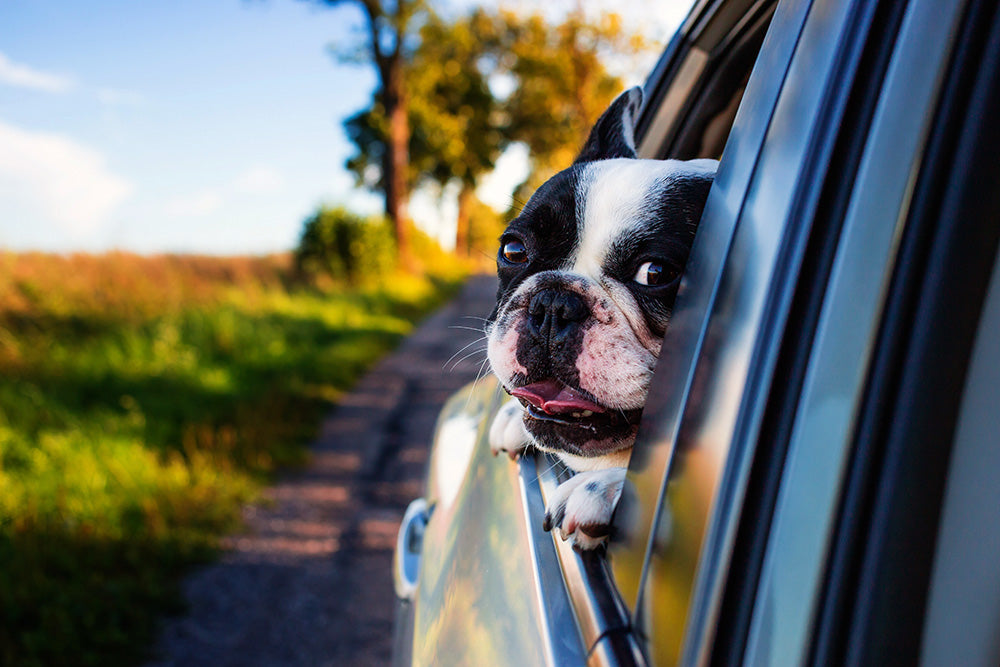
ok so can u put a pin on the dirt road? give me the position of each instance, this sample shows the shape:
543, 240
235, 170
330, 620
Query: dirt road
309, 582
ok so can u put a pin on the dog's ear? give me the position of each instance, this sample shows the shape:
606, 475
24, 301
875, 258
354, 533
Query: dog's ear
614, 133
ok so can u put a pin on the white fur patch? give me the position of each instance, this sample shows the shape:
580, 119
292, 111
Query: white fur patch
501, 349
583, 503
507, 432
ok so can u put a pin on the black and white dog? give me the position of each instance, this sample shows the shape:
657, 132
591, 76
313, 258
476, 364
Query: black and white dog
588, 273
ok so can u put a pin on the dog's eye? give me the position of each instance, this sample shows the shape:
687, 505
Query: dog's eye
514, 252
653, 274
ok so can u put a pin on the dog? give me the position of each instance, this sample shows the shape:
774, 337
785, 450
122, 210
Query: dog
588, 273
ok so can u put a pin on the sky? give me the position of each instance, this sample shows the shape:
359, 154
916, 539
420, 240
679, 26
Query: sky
207, 126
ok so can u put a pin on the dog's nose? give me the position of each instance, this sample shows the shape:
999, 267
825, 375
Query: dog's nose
553, 314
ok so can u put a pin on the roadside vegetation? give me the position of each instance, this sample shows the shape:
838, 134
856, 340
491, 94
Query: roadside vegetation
143, 400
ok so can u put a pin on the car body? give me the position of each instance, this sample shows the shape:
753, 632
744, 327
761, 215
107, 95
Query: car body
816, 478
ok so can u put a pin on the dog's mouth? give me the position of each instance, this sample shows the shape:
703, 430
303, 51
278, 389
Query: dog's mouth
553, 402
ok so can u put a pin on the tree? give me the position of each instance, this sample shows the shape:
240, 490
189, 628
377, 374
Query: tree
561, 83
390, 29
458, 122
458, 126
455, 133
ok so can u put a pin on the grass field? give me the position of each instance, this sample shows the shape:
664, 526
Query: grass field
142, 400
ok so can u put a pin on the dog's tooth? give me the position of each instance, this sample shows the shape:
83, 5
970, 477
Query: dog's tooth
577, 415
587, 413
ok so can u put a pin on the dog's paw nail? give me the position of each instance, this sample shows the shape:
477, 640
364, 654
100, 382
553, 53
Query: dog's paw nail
595, 530
547, 523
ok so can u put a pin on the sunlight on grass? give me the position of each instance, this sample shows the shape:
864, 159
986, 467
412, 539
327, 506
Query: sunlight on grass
142, 401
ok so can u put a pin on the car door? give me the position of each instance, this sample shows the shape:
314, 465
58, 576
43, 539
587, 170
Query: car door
800, 423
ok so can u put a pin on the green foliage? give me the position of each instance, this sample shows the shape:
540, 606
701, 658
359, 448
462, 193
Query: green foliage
346, 247
454, 116
137, 415
562, 84
459, 126
341, 247
455, 120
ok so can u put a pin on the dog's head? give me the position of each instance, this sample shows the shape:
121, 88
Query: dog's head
588, 273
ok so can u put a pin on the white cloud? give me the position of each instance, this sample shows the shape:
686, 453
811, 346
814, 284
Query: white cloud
23, 76
258, 180
116, 97
64, 182
196, 205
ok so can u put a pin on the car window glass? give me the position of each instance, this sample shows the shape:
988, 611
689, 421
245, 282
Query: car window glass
750, 211
652, 455
963, 611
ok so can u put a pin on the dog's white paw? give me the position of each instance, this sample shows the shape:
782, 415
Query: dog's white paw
581, 507
507, 433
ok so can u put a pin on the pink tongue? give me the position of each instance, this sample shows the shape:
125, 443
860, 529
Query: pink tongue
554, 397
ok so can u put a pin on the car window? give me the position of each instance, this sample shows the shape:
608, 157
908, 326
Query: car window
707, 73
964, 602
675, 125
740, 280
819, 445
659, 602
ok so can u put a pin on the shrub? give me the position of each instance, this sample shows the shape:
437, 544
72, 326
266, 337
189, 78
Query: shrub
346, 247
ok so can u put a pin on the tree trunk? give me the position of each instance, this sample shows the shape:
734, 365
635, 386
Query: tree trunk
465, 201
396, 158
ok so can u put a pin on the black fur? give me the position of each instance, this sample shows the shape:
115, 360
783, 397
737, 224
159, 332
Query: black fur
668, 223
547, 228
612, 135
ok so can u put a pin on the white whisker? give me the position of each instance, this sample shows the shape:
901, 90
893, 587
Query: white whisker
555, 462
469, 355
479, 376
464, 348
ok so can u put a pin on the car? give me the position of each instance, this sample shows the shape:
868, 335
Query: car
816, 478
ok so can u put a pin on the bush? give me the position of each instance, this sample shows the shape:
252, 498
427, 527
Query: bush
346, 247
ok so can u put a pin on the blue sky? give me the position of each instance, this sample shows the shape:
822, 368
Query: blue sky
206, 126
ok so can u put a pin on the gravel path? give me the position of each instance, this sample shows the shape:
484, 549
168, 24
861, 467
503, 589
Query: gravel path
309, 582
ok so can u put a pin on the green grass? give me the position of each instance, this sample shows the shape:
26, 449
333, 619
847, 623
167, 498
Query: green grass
137, 414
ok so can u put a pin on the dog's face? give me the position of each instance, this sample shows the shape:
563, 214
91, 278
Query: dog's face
588, 273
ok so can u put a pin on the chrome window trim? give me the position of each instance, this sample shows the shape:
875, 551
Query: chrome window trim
566, 645
795, 559
598, 609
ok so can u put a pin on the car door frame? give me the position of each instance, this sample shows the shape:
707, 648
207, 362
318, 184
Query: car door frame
758, 448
